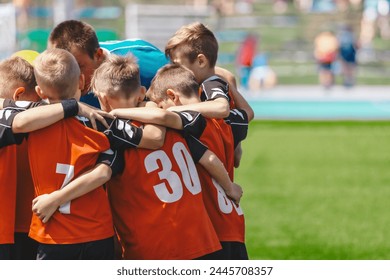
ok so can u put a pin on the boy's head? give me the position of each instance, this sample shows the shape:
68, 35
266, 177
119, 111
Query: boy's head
17, 80
58, 75
173, 85
117, 83
80, 39
195, 47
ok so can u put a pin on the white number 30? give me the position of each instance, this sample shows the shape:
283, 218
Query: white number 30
174, 190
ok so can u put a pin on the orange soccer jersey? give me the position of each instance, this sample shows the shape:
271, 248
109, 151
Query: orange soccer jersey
157, 204
57, 154
7, 193
24, 190
227, 218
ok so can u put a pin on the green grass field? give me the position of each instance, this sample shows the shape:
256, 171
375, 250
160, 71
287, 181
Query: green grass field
316, 190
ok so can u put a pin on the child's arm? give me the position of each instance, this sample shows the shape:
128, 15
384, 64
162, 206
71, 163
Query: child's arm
239, 100
214, 109
216, 169
45, 115
108, 164
150, 115
44, 206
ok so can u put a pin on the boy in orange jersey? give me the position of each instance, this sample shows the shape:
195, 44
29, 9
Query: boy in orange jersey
175, 85
17, 81
195, 47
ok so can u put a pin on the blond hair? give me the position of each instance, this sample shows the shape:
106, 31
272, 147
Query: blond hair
117, 75
194, 39
57, 69
16, 72
175, 77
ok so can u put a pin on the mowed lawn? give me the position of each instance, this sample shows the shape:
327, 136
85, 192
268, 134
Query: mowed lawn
316, 190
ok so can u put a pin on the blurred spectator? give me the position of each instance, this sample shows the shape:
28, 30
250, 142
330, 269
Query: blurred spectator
244, 59
376, 13
304, 5
326, 48
348, 48
22, 7
261, 75
323, 6
280, 6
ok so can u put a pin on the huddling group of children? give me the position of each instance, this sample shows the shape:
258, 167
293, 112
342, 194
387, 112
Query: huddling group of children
149, 174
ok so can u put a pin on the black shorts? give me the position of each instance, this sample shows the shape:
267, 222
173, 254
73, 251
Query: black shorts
5, 251
94, 250
24, 248
230, 251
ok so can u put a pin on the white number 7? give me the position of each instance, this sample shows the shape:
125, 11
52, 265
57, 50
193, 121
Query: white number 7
68, 170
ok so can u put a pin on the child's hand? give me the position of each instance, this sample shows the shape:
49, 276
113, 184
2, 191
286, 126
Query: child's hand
235, 193
44, 206
94, 115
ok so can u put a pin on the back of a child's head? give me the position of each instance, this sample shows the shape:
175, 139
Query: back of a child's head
194, 39
117, 75
58, 73
16, 72
175, 77
74, 34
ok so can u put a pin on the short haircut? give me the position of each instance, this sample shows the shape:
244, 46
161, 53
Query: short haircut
57, 69
117, 75
194, 39
72, 34
16, 72
172, 76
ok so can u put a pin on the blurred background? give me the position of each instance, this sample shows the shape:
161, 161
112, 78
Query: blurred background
282, 31
316, 73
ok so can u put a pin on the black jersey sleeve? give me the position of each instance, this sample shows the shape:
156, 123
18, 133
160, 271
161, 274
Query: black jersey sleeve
20, 105
238, 120
193, 123
113, 159
196, 147
122, 134
7, 137
214, 88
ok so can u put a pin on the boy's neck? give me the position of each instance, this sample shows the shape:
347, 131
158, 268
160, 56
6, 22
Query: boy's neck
207, 73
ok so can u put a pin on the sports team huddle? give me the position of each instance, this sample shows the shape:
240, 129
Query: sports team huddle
117, 150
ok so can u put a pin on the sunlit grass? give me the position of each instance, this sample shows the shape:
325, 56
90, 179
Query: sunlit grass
316, 190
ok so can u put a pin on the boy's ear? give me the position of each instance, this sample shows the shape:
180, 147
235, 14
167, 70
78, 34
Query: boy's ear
18, 93
171, 94
202, 60
99, 55
40, 92
81, 82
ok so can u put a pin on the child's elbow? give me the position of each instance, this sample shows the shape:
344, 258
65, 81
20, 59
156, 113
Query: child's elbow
104, 173
224, 110
250, 113
19, 124
157, 141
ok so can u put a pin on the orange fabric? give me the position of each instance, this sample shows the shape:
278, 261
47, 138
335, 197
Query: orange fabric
228, 220
157, 205
24, 190
7, 193
52, 153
